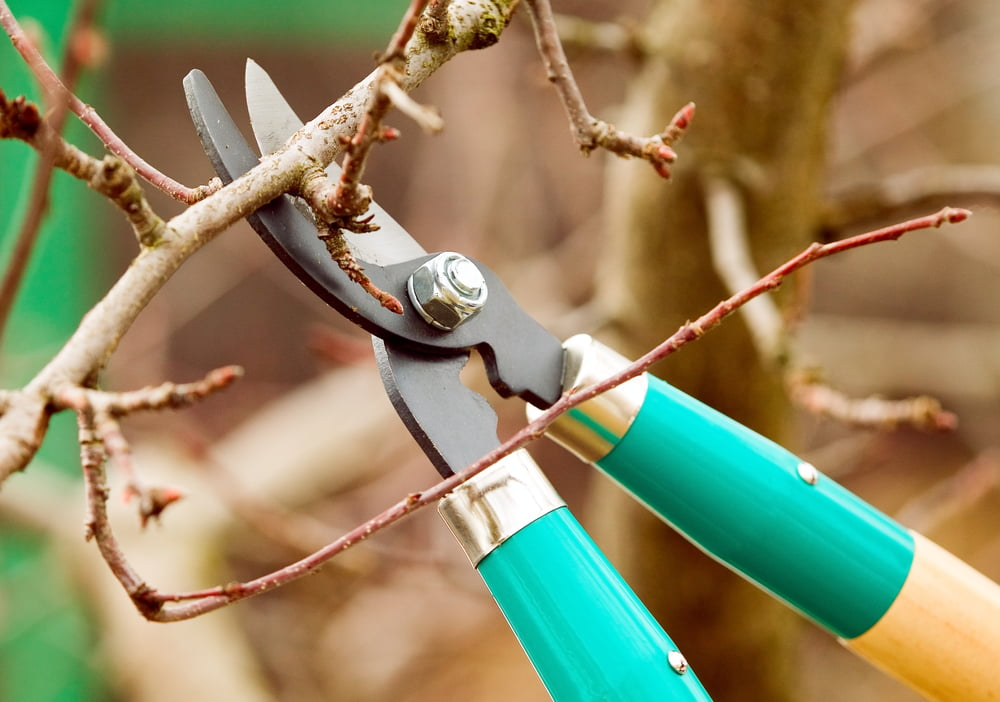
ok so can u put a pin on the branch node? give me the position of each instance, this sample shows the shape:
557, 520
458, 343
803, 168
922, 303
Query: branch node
19, 118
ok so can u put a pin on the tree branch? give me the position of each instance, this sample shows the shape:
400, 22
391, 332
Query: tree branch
38, 200
729, 245
591, 133
614, 37
471, 25
100, 412
54, 86
732, 260
111, 177
355, 120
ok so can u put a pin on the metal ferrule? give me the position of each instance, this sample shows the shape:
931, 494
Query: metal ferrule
496, 504
591, 430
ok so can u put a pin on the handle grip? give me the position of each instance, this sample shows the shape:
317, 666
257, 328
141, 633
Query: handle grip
774, 519
586, 633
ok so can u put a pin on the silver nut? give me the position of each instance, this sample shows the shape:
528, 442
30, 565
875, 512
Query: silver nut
447, 290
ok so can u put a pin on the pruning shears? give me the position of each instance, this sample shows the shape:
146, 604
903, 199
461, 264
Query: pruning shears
889, 594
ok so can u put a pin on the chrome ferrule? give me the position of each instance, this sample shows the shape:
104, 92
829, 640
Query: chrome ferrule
491, 507
592, 429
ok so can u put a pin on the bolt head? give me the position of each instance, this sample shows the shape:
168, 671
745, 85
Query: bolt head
447, 290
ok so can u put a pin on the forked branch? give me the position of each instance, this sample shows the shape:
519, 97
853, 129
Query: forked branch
54, 86
591, 133
169, 244
733, 263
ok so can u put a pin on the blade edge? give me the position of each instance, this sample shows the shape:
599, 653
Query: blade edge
274, 122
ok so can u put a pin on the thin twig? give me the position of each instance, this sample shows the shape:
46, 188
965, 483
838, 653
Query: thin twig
98, 526
159, 397
27, 234
691, 331
87, 114
178, 606
591, 133
733, 262
101, 411
427, 117
350, 198
38, 198
110, 177
341, 206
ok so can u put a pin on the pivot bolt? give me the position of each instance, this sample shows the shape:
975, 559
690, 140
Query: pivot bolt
447, 290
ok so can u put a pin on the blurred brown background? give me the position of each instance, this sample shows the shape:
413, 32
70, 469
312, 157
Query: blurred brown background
306, 444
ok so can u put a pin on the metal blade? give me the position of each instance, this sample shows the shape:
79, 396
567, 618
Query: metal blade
272, 118
274, 122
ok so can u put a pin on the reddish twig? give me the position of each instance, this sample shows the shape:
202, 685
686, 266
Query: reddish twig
100, 411
341, 206
110, 176
163, 396
733, 263
38, 199
591, 133
54, 86
178, 606
98, 526
394, 52
341, 253
28, 232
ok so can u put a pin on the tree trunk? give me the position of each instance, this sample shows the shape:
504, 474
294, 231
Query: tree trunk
762, 75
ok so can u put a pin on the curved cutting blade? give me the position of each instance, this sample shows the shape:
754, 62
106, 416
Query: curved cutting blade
520, 356
274, 122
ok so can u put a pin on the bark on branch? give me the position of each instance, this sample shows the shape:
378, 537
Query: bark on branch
470, 25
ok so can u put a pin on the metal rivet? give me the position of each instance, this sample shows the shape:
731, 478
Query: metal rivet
808, 473
678, 662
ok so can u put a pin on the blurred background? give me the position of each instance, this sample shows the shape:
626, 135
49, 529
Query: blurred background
306, 444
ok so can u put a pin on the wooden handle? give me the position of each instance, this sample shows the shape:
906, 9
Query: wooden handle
941, 636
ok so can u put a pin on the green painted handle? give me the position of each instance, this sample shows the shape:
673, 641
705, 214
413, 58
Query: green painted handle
762, 511
586, 633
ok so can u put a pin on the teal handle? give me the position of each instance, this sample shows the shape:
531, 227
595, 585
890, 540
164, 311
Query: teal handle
760, 510
586, 633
